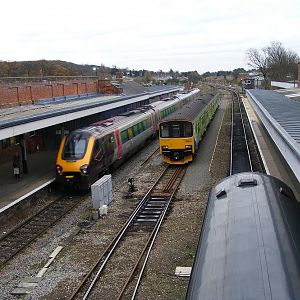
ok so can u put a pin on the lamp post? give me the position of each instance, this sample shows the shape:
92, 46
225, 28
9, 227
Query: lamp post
95, 69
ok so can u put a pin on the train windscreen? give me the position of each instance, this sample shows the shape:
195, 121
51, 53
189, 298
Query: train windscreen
176, 129
75, 146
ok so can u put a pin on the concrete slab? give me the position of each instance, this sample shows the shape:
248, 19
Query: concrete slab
20, 291
183, 271
26, 286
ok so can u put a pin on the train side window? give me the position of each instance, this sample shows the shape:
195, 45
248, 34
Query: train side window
124, 136
144, 125
130, 133
140, 127
148, 123
164, 130
135, 130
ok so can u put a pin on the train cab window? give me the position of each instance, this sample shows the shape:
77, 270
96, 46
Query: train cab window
187, 130
164, 130
75, 146
175, 130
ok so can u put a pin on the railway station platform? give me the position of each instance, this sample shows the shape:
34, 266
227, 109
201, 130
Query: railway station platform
41, 170
35, 131
275, 122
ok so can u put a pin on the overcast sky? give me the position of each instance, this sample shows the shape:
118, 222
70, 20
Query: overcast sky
202, 35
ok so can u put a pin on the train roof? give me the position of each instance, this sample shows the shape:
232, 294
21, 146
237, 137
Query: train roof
249, 246
103, 127
108, 125
191, 110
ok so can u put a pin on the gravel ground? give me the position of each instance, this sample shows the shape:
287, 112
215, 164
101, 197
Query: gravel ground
176, 244
37, 202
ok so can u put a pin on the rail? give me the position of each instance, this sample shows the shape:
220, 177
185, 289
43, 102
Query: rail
26, 232
240, 158
147, 217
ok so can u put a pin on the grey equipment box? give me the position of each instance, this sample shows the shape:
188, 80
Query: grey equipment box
102, 192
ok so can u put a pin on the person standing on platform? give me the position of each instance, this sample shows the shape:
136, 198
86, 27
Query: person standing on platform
16, 165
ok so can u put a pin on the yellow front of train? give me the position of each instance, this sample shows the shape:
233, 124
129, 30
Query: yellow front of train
176, 142
73, 159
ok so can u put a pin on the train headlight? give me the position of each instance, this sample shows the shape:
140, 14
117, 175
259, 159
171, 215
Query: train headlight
58, 169
165, 147
188, 147
84, 169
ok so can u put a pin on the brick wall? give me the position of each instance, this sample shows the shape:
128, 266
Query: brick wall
14, 95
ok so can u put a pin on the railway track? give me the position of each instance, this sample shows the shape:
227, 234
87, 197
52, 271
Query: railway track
150, 156
240, 159
116, 274
25, 233
256, 159
245, 156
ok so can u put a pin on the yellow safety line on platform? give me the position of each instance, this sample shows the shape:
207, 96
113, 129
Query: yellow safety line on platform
212, 158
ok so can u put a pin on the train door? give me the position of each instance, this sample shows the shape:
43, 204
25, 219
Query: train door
154, 122
159, 115
108, 147
97, 164
119, 143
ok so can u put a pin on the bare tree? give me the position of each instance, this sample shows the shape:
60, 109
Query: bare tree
293, 60
259, 60
274, 62
277, 57
282, 62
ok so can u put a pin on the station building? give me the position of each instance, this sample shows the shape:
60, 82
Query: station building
35, 130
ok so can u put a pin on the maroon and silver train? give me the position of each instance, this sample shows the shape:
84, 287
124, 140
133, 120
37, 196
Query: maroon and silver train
87, 153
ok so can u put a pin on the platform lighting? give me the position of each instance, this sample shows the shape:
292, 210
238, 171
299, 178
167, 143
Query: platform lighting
95, 69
